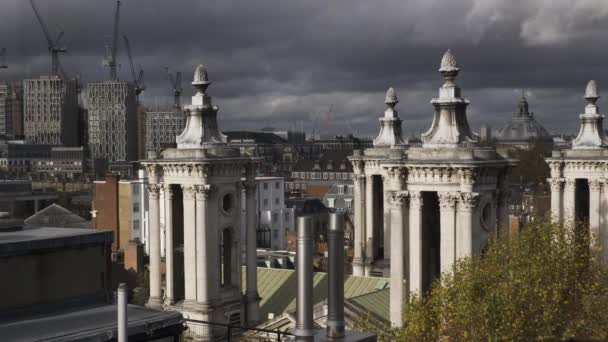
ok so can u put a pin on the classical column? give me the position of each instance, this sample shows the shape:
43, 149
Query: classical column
202, 252
155, 276
369, 224
447, 225
569, 214
169, 281
399, 248
189, 244
359, 241
594, 208
464, 232
603, 234
251, 294
556, 199
415, 242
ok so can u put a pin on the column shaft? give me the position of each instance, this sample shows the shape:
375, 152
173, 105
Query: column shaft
556, 199
447, 243
169, 273
369, 224
202, 280
251, 294
415, 242
594, 208
398, 250
190, 259
155, 276
359, 240
464, 233
569, 213
603, 232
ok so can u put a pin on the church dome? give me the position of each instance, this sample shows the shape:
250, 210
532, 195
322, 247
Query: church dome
523, 127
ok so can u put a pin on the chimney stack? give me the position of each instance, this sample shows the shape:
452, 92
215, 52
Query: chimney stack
335, 315
304, 302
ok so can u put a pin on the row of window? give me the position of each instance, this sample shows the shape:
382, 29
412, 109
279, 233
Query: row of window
322, 175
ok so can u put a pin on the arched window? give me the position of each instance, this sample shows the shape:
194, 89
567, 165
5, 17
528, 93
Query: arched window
226, 253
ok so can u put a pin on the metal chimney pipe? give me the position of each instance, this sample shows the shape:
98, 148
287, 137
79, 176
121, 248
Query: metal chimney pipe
335, 246
122, 312
304, 302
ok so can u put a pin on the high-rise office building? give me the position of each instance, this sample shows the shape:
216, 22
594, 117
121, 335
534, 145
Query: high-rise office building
162, 128
50, 111
112, 120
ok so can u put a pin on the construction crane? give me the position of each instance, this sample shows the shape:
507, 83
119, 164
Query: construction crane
176, 83
2, 60
138, 80
110, 60
54, 46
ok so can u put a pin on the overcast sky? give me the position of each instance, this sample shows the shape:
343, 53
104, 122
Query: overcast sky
278, 63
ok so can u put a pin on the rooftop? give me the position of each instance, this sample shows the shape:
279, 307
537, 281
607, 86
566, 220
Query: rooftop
43, 239
56, 216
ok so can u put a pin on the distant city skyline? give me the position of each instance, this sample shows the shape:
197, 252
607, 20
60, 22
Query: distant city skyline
277, 63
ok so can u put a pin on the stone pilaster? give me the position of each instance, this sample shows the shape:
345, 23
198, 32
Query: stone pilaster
569, 214
467, 203
359, 240
595, 186
155, 272
557, 190
169, 272
190, 260
203, 279
399, 249
447, 244
251, 294
415, 242
369, 224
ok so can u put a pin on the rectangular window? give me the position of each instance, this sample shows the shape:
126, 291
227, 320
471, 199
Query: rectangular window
331, 202
276, 201
275, 218
265, 186
265, 202
277, 185
135, 207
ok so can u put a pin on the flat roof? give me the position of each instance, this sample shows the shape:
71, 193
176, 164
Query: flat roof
91, 323
26, 241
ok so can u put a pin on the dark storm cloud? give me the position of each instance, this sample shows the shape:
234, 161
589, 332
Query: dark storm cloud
285, 63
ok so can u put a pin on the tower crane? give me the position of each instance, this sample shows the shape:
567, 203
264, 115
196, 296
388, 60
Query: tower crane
110, 60
176, 83
2, 60
54, 46
138, 80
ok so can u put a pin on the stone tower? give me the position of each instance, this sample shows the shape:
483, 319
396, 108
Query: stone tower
202, 184
578, 175
436, 203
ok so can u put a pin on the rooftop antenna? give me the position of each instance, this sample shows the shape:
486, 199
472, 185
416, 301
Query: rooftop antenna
138, 80
54, 46
3, 59
110, 60
176, 84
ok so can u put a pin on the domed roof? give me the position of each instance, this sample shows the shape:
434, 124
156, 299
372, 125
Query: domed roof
523, 127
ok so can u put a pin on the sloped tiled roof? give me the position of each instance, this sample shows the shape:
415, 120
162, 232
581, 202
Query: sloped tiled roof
56, 216
277, 288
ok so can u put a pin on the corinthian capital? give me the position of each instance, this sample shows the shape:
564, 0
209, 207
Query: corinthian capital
168, 190
416, 201
154, 190
595, 185
447, 200
570, 184
468, 200
203, 191
397, 197
556, 184
188, 190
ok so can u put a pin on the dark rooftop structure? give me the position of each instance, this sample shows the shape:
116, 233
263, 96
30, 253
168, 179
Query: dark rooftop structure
253, 137
56, 216
523, 128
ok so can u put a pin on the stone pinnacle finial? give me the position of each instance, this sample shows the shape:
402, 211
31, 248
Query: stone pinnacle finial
201, 78
591, 94
448, 62
449, 68
391, 97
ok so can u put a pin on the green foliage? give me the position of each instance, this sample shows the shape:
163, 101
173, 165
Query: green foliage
141, 292
532, 167
545, 284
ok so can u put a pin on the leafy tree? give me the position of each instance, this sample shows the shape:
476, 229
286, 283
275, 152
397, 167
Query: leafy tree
141, 292
544, 284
